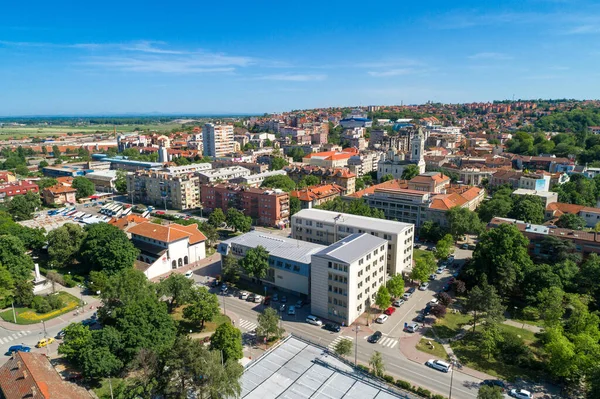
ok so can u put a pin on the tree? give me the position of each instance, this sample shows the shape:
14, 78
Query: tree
22, 207
43, 164
228, 339
216, 217
377, 365
490, 336
98, 281
282, 182
107, 248
121, 182
99, 362
278, 163
309, 180
439, 311
410, 171
84, 187
551, 306
463, 221
444, 247
212, 236
424, 266
256, 262
431, 231
528, 208
445, 299
499, 206
7, 283
488, 392
230, 269
238, 221
483, 298
295, 205
64, 243
343, 347
459, 287
203, 306
179, 288
571, 221
23, 292
268, 324
55, 151
387, 177
395, 285
561, 353
77, 340
46, 182
383, 299
14, 258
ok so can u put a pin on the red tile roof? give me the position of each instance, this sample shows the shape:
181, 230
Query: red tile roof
445, 202
317, 192
391, 184
169, 233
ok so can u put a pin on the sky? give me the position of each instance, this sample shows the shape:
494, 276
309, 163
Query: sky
198, 57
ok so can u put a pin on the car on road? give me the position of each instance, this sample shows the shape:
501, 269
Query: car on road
440, 270
411, 327
398, 302
275, 298
60, 334
282, 307
314, 320
439, 365
375, 337
382, 318
494, 383
292, 310
423, 286
332, 327
44, 342
432, 277
18, 348
390, 311
520, 394
283, 299
189, 274
250, 298
244, 295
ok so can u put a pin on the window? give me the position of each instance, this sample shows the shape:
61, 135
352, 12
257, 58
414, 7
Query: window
329, 265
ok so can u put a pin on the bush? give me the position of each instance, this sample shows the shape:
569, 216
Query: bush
438, 396
69, 282
404, 384
388, 378
513, 350
41, 305
531, 313
363, 368
423, 392
55, 302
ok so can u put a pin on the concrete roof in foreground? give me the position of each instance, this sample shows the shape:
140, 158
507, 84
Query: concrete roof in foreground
297, 369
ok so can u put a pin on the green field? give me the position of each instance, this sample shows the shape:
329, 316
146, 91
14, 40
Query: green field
18, 132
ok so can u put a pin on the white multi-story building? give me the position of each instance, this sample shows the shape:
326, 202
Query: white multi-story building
326, 227
217, 140
223, 174
257, 179
346, 275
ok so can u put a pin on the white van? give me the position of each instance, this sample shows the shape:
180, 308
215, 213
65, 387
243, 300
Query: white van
439, 365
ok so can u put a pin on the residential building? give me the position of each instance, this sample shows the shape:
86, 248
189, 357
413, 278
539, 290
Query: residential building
330, 159
394, 162
432, 182
289, 259
257, 179
506, 177
364, 163
59, 194
326, 227
594, 129
222, 174
547, 197
391, 184
166, 247
346, 275
340, 176
185, 169
7, 176
217, 140
164, 189
547, 163
104, 180
535, 181
31, 375
253, 167
555, 210
316, 195
266, 207
21, 187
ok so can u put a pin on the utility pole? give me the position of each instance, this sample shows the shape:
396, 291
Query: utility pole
452, 378
14, 313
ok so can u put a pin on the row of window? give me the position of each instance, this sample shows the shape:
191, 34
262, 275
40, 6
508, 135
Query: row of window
337, 266
338, 290
338, 302
335, 277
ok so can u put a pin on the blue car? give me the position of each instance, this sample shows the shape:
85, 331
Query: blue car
18, 348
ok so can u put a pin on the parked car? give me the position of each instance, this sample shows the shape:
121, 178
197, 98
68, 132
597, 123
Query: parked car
88, 322
433, 302
283, 299
291, 311
398, 302
390, 311
420, 318
408, 293
282, 307
520, 394
60, 334
258, 299
215, 283
464, 246
440, 270
332, 327
44, 342
439, 365
244, 295
299, 303
423, 286
432, 277
267, 301
18, 348
446, 288
411, 327
275, 298
251, 297
472, 248
189, 274
375, 337
426, 310
382, 318
495, 383
314, 320
223, 288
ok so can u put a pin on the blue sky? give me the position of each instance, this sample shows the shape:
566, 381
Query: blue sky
74, 57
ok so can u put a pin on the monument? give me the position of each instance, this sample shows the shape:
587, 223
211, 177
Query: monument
40, 283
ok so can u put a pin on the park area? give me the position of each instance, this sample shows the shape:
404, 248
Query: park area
30, 316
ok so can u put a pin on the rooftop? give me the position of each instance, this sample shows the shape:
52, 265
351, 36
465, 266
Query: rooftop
347, 219
352, 247
168, 233
282, 247
539, 193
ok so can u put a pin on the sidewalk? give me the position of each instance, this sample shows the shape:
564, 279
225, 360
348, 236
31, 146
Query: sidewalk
211, 262
523, 326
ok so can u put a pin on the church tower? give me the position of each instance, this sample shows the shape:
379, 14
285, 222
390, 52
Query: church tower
417, 148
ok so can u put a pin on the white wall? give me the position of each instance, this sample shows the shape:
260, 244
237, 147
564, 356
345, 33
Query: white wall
292, 281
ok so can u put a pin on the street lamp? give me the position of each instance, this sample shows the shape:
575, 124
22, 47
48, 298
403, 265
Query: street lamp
356, 330
454, 363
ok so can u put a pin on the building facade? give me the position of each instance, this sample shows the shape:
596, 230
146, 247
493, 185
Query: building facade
217, 140
21, 187
164, 189
223, 174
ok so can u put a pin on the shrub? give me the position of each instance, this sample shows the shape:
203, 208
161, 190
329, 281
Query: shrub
41, 305
438, 311
69, 282
388, 378
404, 384
438, 396
424, 392
363, 368
55, 302
531, 313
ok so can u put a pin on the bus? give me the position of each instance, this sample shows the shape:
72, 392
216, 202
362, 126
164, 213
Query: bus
126, 212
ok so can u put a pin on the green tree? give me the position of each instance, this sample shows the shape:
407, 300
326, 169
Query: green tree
107, 248
23, 292
45, 182
77, 341
295, 205
463, 221
395, 285
528, 208
488, 392
42, 164
488, 341
230, 269
383, 299
178, 288
7, 283
560, 353
409, 172
343, 347
56, 151
212, 236
238, 221
484, 299
203, 307
22, 207
444, 247
551, 306
309, 180
121, 182
268, 324
84, 187
256, 262
431, 231
13, 256
216, 217
387, 177
64, 243
424, 266
498, 206
278, 163
377, 365
282, 182
99, 362
98, 281
228, 339
571, 221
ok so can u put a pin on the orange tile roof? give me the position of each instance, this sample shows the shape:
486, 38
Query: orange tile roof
471, 193
445, 202
390, 184
124, 222
317, 192
439, 178
560, 208
169, 233
60, 189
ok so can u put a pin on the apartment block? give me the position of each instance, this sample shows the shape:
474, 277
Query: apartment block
223, 174
346, 275
326, 227
257, 179
217, 140
21, 187
265, 207
164, 189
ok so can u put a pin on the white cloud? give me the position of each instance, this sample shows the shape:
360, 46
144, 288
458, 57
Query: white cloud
392, 72
490, 56
289, 77
583, 29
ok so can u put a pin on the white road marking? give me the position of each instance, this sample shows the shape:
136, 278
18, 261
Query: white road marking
247, 325
11, 338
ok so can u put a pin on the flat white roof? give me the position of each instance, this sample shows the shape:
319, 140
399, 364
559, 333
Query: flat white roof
347, 219
352, 248
539, 193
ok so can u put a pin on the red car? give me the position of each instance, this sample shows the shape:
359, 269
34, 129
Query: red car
390, 311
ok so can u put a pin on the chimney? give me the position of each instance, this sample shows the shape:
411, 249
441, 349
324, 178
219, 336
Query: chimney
33, 391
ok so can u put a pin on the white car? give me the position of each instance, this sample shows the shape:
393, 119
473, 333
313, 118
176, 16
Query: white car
398, 302
520, 394
382, 318
189, 274
244, 295
423, 286
310, 319
439, 365
440, 270
434, 302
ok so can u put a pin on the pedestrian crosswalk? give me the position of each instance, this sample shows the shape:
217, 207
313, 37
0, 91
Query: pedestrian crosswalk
14, 337
247, 325
386, 341
333, 343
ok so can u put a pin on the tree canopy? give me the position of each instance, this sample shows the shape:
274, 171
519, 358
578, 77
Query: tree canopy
256, 262
22, 207
84, 187
64, 243
107, 248
238, 221
283, 182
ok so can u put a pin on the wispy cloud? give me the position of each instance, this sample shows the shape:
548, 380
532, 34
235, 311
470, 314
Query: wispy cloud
583, 30
146, 46
157, 65
290, 77
490, 56
392, 72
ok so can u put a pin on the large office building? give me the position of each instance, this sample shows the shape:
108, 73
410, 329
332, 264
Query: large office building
217, 140
346, 275
326, 227
164, 189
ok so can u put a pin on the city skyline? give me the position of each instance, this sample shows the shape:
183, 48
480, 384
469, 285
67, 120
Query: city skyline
190, 59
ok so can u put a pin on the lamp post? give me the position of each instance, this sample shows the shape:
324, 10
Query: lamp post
356, 330
454, 363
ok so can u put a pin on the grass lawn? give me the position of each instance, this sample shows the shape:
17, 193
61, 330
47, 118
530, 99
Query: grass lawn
450, 325
209, 326
103, 391
418, 253
438, 350
30, 316
528, 336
